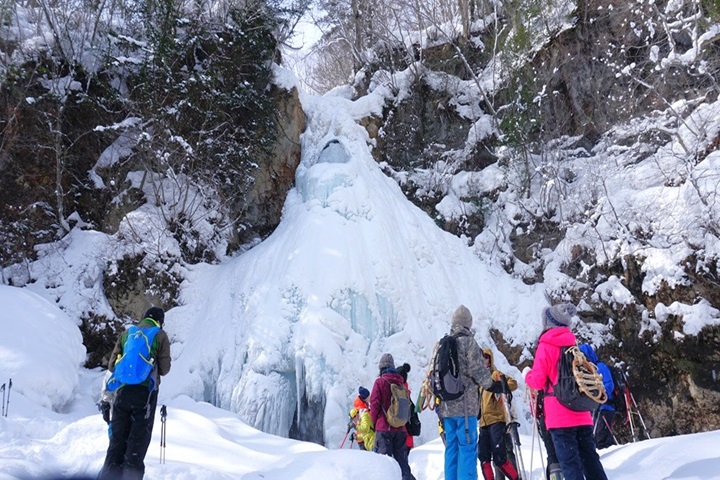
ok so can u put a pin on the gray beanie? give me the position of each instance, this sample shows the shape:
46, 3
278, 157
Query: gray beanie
386, 361
462, 317
559, 315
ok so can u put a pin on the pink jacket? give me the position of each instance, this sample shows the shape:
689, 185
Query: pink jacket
544, 375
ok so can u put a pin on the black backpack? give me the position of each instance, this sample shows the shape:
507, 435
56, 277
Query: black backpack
446, 381
413, 426
579, 388
620, 385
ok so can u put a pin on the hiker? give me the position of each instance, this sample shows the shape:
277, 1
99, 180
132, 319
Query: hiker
605, 415
389, 440
571, 431
360, 415
493, 422
403, 370
459, 416
133, 409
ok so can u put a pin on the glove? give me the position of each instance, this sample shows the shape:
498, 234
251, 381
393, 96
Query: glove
497, 387
104, 408
525, 372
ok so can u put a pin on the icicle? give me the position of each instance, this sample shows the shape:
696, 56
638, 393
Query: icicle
299, 385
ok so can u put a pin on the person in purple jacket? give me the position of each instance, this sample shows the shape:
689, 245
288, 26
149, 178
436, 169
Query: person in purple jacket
388, 440
571, 432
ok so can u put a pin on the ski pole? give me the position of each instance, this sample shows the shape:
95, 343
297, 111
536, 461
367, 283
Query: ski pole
346, 434
629, 414
3, 401
163, 431
7, 404
532, 443
637, 409
610, 430
536, 429
512, 428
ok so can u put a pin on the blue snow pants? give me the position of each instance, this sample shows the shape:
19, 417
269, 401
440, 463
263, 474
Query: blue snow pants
460, 448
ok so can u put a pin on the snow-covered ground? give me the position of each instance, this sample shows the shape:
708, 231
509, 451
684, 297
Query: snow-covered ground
53, 429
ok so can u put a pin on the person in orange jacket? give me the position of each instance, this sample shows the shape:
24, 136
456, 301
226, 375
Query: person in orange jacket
360, 415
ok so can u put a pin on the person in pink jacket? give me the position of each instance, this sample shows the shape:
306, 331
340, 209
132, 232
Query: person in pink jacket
571, 432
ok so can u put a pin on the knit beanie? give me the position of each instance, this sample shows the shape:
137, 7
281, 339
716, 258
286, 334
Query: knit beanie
403, 370
462, 317
386, 361
157, 314
559, 315
363, 393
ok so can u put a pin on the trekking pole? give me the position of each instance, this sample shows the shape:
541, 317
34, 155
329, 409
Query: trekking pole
632, 397
3, 401
532, 444
536, 429
163, 432
512, 429
610, 430
629, 414
350, 427
7, 404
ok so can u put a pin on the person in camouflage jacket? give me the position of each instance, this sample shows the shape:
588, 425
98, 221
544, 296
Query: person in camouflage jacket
459, 416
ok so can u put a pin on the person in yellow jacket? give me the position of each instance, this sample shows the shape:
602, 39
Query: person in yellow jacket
364, 431
493, 422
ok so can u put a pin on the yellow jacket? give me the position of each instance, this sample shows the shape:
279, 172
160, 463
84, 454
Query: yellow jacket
492, 409
365, 433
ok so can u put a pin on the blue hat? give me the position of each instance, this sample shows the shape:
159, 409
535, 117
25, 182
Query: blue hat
363, 393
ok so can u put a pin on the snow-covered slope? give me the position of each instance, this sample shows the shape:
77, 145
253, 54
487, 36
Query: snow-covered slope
353, 270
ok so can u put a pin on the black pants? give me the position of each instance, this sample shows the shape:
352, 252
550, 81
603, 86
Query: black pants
603, 425
491, 444
393, 444
130, 433
575, 449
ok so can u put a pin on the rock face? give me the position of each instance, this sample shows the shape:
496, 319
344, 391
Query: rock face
579, 85
30, 210
275, 176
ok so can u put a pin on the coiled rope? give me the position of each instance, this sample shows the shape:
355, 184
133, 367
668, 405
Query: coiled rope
589, 381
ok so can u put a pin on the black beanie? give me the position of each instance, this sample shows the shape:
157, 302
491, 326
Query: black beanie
403, 370
157, 314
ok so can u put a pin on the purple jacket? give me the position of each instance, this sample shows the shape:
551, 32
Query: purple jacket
544, 375
380, 401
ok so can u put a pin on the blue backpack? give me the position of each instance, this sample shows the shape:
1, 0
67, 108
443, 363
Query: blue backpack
135, 365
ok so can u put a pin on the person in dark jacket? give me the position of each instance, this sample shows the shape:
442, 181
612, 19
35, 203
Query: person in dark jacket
133, 410
571, 431
459, 416
403, 370
388, 440
605, 415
